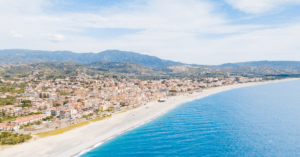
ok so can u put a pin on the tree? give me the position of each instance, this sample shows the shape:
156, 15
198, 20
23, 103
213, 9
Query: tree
56, 105
3, 113
38, 122
26, 101
44, 88
64, 93
101, 108
7, 138
8, 103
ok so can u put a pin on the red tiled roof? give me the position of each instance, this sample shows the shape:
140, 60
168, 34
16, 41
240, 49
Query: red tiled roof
19, 120
8, 106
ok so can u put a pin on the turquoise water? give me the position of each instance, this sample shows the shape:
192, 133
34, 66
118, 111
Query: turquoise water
261, 120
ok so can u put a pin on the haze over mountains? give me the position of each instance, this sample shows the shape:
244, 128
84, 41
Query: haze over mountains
16, 56
295, 65
13, 56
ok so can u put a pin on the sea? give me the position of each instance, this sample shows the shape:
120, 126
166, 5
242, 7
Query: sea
260, 120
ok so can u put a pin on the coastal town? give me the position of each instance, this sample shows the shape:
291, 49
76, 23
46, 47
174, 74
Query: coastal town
131, 78
50, 103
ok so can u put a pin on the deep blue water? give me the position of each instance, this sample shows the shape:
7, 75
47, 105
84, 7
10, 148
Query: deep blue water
261, 120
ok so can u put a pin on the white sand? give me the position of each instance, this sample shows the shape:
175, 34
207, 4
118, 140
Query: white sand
75, 141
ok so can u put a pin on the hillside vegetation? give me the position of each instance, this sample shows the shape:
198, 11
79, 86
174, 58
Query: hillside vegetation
120, 67
67, 69
17, 56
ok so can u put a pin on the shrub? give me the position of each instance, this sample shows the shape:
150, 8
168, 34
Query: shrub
7, 138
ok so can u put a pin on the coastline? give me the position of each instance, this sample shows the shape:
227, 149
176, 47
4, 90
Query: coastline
77, 141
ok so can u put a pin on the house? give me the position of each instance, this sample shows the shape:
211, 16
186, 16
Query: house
87, 112
55, 112
22, 113
53, 96
73, 111
6, 127
30, 119
77, 115
87, 108
47, 112
6, 108
65, 114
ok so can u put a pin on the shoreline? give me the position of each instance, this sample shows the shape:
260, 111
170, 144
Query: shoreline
183, 102
81, 140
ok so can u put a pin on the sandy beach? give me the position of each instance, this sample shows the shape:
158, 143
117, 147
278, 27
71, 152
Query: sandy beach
72, 143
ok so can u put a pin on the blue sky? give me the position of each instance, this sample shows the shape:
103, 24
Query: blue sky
191, 31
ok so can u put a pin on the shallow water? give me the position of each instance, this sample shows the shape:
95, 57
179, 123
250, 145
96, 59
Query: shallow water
261, 120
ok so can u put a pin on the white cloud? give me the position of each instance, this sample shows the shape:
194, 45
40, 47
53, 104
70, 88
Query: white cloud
177, 30
21, 6
170, 15
53, 37
260, 6
16, 35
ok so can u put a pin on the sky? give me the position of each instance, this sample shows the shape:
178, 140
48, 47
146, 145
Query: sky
206, 32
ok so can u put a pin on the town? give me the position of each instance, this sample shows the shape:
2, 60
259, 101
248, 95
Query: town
46, 104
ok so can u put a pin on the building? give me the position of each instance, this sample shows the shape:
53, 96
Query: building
47, 112
6, 127
26, 120
65, 114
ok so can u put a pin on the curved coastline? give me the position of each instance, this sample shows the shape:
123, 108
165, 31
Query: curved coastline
100, 143
79, 141
182, 102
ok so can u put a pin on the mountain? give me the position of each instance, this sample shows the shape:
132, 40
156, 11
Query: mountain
120, 67
67, 69
50, 69
282, 65
13, 56
16, 56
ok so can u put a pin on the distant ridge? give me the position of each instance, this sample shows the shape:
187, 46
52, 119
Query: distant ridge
283, 65
13, 56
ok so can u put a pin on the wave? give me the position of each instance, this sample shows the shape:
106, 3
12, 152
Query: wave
83, 152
